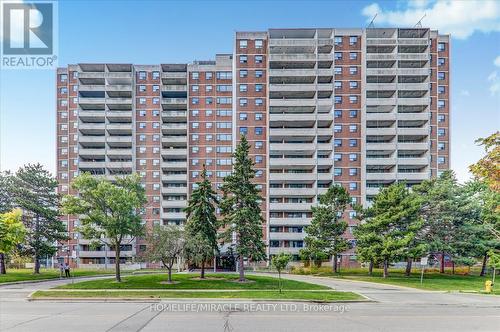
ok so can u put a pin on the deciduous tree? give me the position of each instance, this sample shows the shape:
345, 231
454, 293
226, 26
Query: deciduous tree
12, 233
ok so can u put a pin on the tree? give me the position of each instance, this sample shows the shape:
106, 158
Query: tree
34, 190
108, 210
165, 244
391, 224
440, 211
201, 216
6, 195
487, 169
12, 233
365, 241
325, 233
199, 250
494, 262
280, 261
240, 208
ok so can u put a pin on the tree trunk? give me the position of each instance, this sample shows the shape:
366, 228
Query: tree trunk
170, 275
3, 269
452, 267
117, 263
483, 268
441, 268
279, 279
335, 267
386, 266
370, 268
408, 267
37, 264
241, 269
202, 276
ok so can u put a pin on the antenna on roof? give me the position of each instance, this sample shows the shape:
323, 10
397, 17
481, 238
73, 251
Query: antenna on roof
371, 25
419, 23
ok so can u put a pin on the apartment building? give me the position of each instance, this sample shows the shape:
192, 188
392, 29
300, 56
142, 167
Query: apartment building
359, 107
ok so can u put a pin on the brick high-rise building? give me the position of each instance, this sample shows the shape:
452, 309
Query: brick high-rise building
359, 107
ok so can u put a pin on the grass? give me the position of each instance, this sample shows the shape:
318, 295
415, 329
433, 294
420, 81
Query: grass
27, 274
191, 281
246, 294
433, 280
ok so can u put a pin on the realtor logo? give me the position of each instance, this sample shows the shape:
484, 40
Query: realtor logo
28, 33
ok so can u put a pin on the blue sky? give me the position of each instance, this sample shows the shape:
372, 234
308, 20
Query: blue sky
147, 32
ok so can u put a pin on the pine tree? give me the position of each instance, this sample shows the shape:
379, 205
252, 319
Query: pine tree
35, 193
325, 233
240, 208
202, 221
391, 224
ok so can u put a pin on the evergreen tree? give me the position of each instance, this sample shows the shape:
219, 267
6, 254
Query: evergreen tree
6, 194
240, 208
200, 213
34, 191
108, 210
391, 224
365, 240
325, 233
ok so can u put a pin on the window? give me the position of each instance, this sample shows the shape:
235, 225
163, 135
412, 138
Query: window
353, 157
353, 99
337, 40
142, 138
243, 73
353, 142
142, 101
209, 100
259, 144
243, 130
224, 75
156, 101
258, 116
156, 125
258, 43
441, 103
338, 56
63, 91
195, 75
337, 128
243, 88
224, 137
208, 137
243, 59
195, 125
441, 132
195, 149
353, 55
441, 146
224, 112
337, 142
208, 75
224, 100
353, 128
353, 186
259, 102
353, 113
441, 75
156, 88
353, 70
441, 61
441, 160
258, 87
224, 125
337, 171
353, 84
195, 88
337, 157
337, 85
353, 40
195, 137
243, 102
338, 99
353, 171
337, 113
63, 78
208, 125
338, 70
208, 88
142, 75
441, 47
441, 89
156, 75
195, 101
243, 43
259, 73
259, 130
243, 116
156, 138
259, 59
258, 159
441, 117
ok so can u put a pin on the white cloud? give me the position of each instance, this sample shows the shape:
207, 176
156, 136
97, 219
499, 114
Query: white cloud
495, 83
496, 62
458, 18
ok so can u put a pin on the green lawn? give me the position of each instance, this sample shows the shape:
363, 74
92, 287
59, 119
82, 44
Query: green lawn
245, 294
432, 280
192, 281
27, 274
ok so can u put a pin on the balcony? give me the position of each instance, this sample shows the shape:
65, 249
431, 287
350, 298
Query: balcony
414, 71
91, 164
119, 153
174, 78
381, 101
413, 146
174, 203
285, 162
381, 161
413, 161
174, 215
290, 206
91, 153
103, 253
288, 177
380, 131
381, 86
174, 88
174, 178
290, 250
381, 116
174, 103
179, 165
127, 165
414, 176
119, 128
174, 190
287, 147
174, 128
286, 236
423, 131
381, 176
174, 152
305, 192
381, 146
289, 221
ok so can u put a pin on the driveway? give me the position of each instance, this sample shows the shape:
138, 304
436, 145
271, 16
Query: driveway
393, 309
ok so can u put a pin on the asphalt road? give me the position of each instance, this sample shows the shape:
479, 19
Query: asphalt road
393, 309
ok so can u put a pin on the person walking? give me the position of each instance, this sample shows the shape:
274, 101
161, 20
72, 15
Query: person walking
61, 270
67, 270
